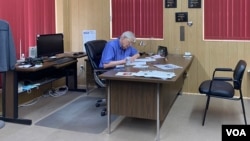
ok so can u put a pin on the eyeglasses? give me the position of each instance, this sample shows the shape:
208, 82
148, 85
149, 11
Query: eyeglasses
130, 41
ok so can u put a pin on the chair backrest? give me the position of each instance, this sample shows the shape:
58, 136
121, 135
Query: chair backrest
238, 73
94, 51
162, 51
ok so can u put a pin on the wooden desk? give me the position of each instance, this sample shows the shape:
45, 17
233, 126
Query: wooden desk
49, 72
147, 98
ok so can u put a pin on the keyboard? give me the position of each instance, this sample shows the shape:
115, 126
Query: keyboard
155, 74
63, 60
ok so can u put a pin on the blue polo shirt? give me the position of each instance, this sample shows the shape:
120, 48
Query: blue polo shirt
114, 52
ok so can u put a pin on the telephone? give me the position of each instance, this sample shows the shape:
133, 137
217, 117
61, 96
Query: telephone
162, 51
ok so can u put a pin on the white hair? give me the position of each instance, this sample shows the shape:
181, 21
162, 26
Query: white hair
129, 35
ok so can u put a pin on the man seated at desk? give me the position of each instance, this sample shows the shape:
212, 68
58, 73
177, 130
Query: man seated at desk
116, 51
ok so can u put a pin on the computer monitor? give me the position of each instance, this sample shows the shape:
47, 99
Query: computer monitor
49, 45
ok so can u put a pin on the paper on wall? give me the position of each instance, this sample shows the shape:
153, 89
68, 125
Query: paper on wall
88, 35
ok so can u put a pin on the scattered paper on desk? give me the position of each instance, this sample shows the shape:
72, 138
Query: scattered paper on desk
155, 56
137, 63
167, 66
30, 66
24, 66
124, 74
140, 66
145, 60
119, 66
155, 74
38, 66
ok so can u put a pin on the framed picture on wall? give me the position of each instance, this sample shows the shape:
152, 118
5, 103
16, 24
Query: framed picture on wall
170, 3
194, 3
181, 16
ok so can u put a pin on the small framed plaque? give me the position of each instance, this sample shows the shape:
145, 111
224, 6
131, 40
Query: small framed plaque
170, 4
181, 16
194, 3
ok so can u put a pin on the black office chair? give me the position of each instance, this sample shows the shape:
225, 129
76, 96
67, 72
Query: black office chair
224, 87
162, 51
94, 51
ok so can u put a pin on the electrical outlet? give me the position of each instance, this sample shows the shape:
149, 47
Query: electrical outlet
81, 68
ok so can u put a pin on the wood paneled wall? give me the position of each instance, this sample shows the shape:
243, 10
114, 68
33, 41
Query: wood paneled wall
74, 16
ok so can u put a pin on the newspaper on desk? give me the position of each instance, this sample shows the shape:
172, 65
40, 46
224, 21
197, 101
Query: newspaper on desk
141, 63
167, 66
155, 74
149, 73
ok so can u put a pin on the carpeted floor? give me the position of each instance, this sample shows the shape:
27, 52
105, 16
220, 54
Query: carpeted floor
81, 115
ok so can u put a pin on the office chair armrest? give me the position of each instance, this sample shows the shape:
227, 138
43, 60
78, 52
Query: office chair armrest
223, 69
99, 81
99, 70
223, 79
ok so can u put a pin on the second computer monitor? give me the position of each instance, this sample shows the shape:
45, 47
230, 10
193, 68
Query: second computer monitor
49, 45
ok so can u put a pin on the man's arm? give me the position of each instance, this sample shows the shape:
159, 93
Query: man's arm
114, 63
132, 59
120, 62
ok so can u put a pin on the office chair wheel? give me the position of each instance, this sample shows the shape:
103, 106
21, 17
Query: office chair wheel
97, 104
103, 113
